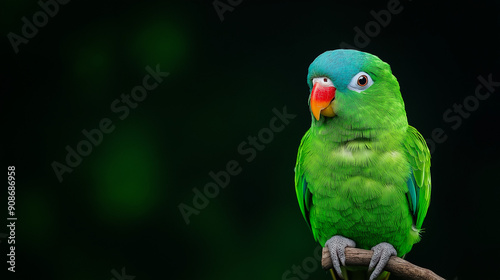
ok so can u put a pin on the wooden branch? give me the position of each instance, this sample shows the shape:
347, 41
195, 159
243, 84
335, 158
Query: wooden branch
396, 266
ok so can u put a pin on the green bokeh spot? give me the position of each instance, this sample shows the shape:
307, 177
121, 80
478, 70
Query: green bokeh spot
126, 174
90, 57
160, 42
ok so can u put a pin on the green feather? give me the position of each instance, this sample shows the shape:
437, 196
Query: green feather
420, 160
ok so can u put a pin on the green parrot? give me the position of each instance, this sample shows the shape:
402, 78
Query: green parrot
362, 175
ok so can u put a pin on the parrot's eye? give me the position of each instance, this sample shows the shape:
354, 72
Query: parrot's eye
360, 82
324, 81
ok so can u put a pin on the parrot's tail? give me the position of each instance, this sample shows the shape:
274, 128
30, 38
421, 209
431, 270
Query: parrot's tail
357, 275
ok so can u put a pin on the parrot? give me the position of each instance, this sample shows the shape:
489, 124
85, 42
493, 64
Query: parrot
362, 175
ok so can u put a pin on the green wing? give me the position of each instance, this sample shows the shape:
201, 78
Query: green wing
419, 183
304, 196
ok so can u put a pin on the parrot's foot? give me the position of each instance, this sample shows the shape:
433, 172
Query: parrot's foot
381, 254
336, 245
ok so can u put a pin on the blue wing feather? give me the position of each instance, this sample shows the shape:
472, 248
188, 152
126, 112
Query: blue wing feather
419, 183
307, 197
412, 189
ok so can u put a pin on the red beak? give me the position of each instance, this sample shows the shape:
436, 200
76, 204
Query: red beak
321, 98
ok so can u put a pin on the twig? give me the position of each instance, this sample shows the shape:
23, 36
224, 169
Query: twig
396, 266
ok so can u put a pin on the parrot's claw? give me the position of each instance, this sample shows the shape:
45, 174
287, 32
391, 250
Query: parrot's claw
381, 254
336, 245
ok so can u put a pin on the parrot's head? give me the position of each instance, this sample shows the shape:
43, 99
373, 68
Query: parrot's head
356, 89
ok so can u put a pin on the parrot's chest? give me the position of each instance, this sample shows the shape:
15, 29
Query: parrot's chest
364, 172
364, 196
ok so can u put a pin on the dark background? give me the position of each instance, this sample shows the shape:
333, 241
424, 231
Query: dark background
119, 207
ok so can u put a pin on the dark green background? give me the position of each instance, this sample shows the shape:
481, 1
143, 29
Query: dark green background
119, 207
